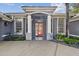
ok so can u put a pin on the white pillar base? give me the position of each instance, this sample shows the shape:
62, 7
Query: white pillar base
28, 36
49, 36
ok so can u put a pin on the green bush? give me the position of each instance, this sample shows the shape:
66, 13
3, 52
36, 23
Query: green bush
70, 40
14, 38
60, 37
76, 39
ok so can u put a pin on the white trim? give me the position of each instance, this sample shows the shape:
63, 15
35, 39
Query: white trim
75, 17
74, 20
39, 12
15, 27
49, 24
22, 25
29, 23
73, 35
58, 26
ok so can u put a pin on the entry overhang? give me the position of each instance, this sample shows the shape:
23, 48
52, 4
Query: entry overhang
30, 9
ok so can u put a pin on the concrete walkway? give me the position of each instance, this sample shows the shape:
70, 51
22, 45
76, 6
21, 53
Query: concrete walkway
35, 48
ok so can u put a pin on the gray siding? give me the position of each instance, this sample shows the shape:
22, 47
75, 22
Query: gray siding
12, 27
74, 27
1, 29
4, 30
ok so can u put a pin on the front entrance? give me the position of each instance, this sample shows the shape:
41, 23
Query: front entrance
38, 30
39, 27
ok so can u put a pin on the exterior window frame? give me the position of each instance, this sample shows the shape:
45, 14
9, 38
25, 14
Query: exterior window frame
63, 26
18, 33
52, 24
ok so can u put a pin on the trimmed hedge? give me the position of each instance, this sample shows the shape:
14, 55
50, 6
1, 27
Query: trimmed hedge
14, 38
70, 40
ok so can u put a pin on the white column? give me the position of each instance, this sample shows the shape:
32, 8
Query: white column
49, 34
29, 23
49, 24
29, 34
14, 25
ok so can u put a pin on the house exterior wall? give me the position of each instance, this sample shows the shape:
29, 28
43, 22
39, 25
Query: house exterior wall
1, 29
12, 27
74, 27
4, 30
7, 29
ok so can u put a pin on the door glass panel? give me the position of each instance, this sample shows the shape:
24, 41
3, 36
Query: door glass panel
39, 29
36, 29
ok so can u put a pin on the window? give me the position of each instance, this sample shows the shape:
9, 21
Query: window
61, 25
19, 26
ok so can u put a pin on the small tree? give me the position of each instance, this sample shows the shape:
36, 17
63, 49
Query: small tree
75, 8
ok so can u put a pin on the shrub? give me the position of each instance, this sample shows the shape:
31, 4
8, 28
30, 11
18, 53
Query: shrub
60, 37
14, 38
70, 40
76, 39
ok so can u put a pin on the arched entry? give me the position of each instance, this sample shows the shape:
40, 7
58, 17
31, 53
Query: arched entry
39, 26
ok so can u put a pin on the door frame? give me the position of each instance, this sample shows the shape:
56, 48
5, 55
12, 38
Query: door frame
33, 29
